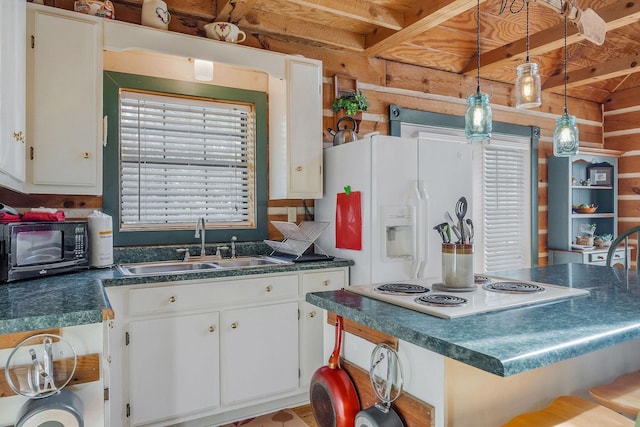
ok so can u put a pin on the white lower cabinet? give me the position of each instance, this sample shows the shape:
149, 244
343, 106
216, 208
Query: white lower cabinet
259, 351
174, 366
219, 350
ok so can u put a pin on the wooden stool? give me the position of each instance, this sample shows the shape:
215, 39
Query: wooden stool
621, 395
571, 411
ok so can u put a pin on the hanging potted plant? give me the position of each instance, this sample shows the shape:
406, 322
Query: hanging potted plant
351, 103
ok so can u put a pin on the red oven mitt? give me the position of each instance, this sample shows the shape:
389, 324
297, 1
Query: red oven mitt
43, 216
349, 221
7, 217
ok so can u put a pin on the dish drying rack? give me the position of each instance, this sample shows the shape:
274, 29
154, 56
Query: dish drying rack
298, 238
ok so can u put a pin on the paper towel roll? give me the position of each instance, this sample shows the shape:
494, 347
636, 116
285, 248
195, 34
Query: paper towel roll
100, 240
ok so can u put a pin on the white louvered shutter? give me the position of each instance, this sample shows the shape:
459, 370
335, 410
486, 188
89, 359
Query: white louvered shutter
506, 203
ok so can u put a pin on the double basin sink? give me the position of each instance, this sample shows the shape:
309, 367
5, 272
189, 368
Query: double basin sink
189, 266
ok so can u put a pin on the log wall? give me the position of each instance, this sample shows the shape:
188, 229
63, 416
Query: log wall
383, 82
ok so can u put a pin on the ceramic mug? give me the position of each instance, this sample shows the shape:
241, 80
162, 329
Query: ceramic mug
155, 14
225, 32
101, 8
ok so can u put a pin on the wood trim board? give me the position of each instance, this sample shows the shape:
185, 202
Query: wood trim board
87, 370
413, 411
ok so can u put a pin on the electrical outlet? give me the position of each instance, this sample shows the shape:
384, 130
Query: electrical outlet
291, 214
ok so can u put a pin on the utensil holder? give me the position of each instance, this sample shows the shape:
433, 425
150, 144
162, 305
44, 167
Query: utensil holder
457, 265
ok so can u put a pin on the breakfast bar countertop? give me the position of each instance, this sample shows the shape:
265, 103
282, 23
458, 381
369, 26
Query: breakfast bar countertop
515, 340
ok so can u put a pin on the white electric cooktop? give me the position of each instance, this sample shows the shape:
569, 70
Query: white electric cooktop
488, 294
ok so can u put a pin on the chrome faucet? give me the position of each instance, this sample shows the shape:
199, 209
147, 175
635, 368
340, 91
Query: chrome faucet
233, 246
200, 232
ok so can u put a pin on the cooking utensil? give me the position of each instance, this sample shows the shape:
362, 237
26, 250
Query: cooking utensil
452, 223
471, 230
386, 376
345, 134
440, 228
333, 397
461, 211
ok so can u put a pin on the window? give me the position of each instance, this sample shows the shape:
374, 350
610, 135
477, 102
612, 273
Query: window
505, 186
181, 151
184, 158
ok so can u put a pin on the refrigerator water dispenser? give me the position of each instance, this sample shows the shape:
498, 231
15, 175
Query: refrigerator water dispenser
399, 232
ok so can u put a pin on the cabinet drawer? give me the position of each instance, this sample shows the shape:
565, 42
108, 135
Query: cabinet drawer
259, 290
323, 281
601, 257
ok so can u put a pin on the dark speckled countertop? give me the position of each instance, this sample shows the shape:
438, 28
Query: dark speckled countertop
516, 340
79, 298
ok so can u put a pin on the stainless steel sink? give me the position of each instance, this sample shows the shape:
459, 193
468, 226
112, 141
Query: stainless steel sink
165, 267
243, 262
176, 267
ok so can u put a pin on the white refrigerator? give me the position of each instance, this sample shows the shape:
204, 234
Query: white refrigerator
406, 186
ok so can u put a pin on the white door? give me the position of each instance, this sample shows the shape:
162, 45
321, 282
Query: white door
446, 169
174, 366
259, 351
12, 89
394, 208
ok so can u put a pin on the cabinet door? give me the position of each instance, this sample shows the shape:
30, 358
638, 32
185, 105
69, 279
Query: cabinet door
174, 366
295, 145
259, 351
312, 320
64, 103
12, 90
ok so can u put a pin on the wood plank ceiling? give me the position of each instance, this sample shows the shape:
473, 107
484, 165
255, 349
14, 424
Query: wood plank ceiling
441, 34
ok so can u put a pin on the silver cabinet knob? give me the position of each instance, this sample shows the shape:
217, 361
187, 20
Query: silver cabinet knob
212, 328
268, 288
234, 325
312, 314
172, 299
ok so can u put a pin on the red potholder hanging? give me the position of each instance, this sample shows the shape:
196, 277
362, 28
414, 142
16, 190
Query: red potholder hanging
349, 221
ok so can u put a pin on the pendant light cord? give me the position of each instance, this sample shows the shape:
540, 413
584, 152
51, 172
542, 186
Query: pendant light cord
478, 43
565, 62
527, 1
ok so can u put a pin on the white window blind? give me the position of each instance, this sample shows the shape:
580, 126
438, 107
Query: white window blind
506, 203
185, 158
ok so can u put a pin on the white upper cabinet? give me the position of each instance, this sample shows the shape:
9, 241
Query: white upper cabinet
295, 99
64, 102
12, 93
295, 156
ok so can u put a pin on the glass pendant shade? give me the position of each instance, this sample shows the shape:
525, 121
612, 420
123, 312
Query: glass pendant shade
565, 137
528, 86
477, 118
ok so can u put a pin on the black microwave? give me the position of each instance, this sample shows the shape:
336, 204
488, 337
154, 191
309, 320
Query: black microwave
36, 249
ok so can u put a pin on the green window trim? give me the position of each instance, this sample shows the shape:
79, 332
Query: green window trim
112, 83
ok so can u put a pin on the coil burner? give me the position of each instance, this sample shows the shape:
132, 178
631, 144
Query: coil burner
513, 287
401, 289
441, 300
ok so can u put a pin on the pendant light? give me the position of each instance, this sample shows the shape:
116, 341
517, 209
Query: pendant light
478, 115
565, 137
528, 79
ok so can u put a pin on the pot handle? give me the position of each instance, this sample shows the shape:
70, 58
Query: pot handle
355, 124
334, 359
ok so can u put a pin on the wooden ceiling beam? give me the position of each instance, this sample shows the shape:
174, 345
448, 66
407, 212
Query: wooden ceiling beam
425, 15
616, 15
233, 10
303, 31
363, 11
607, 70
